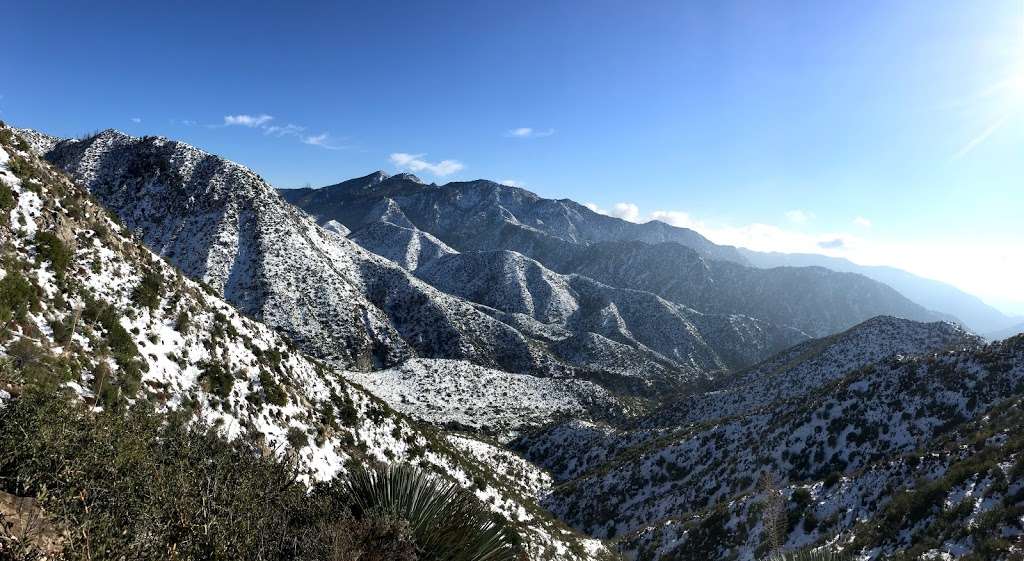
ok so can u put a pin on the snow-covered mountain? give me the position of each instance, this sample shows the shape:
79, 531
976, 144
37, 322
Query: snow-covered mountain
675, 263
90, 310
220, 223
484, 215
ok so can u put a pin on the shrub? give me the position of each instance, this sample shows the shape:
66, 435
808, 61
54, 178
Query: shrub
17, 296
6, 197
144, 486
273, 391
50, 248
297, 438
216, 379
147, 293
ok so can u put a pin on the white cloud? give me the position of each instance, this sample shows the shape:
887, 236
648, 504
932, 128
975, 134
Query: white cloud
798, 216
512, 183
136, 120
625, 211
862, 222
247, 120
416, 163
527, 132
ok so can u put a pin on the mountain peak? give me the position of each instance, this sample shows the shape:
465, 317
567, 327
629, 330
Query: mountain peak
405, 176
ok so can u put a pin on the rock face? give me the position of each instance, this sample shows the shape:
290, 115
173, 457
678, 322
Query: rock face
675, 263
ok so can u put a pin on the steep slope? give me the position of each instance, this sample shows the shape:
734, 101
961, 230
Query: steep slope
674, 263
805, 367
221, 223
696, 344
693, 492
472, 213
409, 247
813, 299
931, 294
86, 308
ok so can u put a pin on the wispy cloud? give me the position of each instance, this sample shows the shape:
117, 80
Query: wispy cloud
322, 140
286, 130
512, 183
416, 163
251, 121
136, 120
798, 216
528, 132
862, 222
262, 122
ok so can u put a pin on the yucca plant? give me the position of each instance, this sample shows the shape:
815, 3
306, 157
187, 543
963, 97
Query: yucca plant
447, 522
822, 554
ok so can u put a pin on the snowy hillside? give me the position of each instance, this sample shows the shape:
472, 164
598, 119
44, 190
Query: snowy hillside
806, 367
695, 345
652, 489
460, 395
88, 308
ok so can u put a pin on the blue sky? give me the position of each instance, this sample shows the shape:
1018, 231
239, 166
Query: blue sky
886, 132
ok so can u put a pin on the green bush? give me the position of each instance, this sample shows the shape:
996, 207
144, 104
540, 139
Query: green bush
143, 486
6, 197
147, 293
50, 248
17, 296
216, 379
273, 391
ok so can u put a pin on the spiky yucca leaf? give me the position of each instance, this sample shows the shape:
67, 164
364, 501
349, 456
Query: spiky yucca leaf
822, 554
447, 522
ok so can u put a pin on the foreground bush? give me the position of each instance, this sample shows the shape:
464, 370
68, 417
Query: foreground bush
138, 485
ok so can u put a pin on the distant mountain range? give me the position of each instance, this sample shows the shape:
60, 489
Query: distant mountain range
677, 264
932, 294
